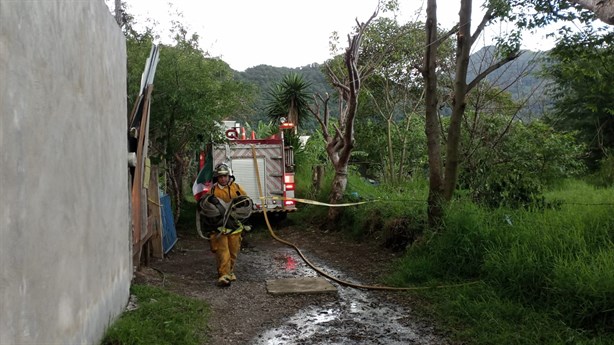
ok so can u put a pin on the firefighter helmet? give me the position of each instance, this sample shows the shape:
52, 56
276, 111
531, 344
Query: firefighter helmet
222, 169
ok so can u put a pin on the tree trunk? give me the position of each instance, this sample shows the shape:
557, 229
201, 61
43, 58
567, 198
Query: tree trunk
176, 175
340, 182
390, 151
435, 207
316, 179
339, 145
463, 49
404, 148
174, 187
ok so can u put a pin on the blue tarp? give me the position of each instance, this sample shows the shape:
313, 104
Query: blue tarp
169, 234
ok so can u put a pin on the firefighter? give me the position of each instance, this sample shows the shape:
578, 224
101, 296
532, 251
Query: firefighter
225, 241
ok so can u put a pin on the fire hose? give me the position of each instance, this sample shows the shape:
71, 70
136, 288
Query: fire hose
315, 268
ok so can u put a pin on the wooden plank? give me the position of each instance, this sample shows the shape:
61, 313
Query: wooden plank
139, 195
155, 218
303, 285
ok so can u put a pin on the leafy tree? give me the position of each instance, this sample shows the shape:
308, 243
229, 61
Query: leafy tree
191, 94
393, 90
408, 140
537, 13
508, 162
265, 78
582, 69
443, 173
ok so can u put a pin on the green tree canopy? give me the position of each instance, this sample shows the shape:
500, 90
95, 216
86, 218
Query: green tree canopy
582, 68
192, 93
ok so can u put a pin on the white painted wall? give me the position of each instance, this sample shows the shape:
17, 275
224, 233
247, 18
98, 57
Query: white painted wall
65, 261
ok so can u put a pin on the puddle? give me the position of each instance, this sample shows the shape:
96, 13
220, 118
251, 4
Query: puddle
285, 263
356, 317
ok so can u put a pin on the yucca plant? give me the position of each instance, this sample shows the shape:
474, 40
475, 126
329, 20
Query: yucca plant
290, 99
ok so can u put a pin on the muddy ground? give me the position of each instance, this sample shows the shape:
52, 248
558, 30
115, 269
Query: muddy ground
245, 313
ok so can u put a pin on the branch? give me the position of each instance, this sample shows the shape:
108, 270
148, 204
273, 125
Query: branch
451, 32
335, 81
316, 113
490, 69
487, 17
351, 59
337, 131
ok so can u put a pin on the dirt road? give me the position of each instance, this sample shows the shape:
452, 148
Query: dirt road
245, 313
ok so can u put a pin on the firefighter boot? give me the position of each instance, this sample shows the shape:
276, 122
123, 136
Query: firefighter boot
224, 281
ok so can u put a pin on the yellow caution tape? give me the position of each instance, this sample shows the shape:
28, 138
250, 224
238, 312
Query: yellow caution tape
313, 202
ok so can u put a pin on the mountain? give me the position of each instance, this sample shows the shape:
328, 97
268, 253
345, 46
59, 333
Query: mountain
264, 77
518, 77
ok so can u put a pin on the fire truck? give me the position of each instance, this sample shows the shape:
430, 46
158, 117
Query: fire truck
275, 163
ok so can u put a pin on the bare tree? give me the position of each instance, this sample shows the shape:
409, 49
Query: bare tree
340, 143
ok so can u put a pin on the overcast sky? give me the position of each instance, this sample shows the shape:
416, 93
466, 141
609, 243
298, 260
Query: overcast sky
281, 33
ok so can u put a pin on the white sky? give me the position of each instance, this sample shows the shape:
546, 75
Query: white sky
282, 33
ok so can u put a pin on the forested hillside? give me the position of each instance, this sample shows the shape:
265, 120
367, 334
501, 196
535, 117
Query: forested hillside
519, 78
264, 77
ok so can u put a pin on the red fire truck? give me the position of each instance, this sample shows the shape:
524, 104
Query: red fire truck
275, 166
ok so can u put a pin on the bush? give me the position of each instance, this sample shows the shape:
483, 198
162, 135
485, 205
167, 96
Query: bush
604, 176
514, 170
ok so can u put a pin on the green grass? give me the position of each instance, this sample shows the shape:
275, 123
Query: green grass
384, 204
544, 276
477, 314
161, 318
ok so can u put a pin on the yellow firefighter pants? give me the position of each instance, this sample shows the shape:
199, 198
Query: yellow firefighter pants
226, 249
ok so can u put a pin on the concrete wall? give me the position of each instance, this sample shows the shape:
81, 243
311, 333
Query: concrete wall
65, 265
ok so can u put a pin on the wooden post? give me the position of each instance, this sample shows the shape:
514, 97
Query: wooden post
154, 221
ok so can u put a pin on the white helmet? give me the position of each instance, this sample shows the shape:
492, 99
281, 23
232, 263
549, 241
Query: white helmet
222, 169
